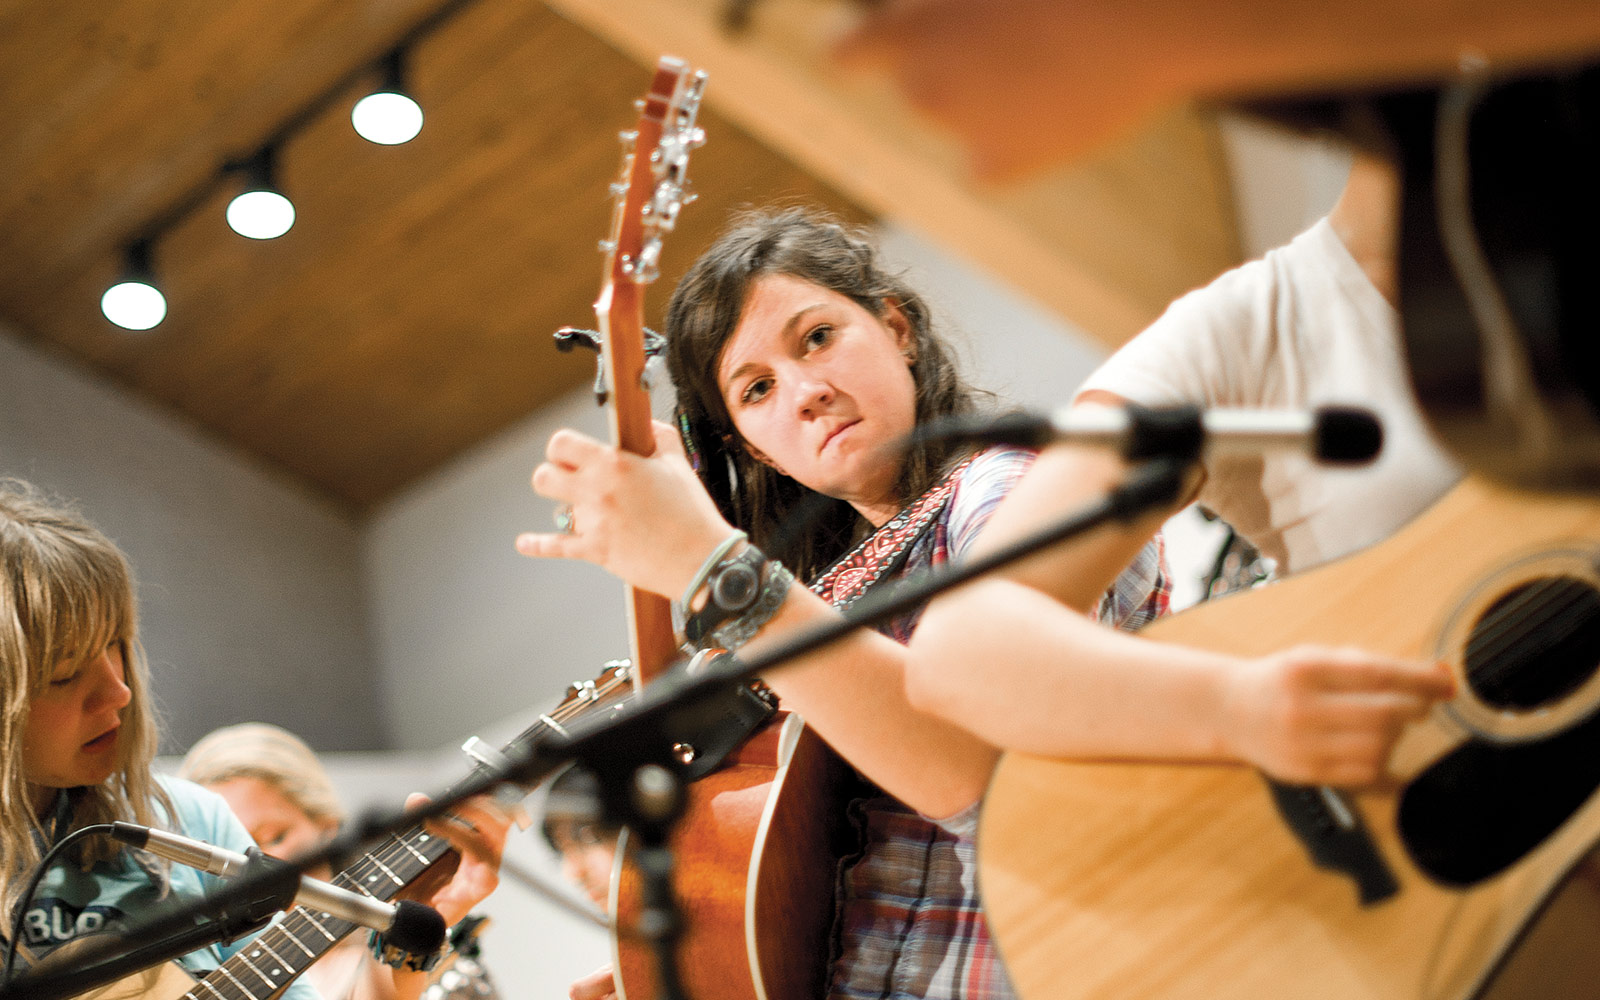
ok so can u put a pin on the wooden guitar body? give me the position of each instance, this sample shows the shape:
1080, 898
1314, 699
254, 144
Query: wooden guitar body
753, 874
1137, 881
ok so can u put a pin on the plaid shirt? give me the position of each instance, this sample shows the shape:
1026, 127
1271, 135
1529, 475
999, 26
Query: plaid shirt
909, 920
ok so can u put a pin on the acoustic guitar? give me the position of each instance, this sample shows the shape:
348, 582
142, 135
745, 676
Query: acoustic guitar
1469, 875
752, 864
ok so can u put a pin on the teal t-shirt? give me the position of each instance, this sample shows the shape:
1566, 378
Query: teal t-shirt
71, 902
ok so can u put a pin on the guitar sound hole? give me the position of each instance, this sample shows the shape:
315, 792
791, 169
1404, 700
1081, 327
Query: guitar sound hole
1537, 644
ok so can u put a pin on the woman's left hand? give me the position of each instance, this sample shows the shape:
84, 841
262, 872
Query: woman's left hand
645, 519
477, 829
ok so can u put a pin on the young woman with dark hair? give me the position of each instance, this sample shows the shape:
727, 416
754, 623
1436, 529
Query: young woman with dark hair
800, 366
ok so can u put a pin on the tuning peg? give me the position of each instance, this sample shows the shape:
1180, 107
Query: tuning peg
606, 246
694, 138
569, 337
628, 137
619, 189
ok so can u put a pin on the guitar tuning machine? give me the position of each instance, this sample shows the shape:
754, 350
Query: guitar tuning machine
569, 337
627, 137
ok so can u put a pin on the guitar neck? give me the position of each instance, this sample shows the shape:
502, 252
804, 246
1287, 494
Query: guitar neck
638, 221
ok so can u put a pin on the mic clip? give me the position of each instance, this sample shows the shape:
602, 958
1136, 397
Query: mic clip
265, 886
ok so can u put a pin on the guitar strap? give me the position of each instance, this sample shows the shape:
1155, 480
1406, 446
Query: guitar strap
880, 555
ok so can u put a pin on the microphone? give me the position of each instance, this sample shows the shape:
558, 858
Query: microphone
408, 925
1336, 435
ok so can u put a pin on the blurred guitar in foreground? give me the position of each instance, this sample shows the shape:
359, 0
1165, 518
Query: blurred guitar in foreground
1144, 881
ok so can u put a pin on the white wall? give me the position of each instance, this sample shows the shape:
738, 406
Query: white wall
1282, 181
250, 587
472, 635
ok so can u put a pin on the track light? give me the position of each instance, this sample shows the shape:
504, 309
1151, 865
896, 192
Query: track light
260, 211
388, 115
134, 302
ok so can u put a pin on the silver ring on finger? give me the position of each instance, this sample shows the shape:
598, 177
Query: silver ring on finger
565, 523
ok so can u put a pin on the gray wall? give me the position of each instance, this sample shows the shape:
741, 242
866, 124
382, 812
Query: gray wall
250, 588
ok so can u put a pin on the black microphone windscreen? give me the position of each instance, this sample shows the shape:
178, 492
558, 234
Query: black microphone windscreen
418, 928
1348, 435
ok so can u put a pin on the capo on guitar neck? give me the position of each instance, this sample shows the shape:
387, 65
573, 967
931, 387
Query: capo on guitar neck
569, 337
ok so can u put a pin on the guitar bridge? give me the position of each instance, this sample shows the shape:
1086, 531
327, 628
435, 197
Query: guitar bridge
1334, 835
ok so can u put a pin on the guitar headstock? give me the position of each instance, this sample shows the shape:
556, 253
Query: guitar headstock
651, 192
651, 189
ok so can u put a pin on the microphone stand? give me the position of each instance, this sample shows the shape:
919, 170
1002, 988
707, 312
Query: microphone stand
628, 747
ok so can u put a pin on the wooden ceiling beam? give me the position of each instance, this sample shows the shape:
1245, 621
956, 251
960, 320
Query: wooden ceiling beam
1106, 244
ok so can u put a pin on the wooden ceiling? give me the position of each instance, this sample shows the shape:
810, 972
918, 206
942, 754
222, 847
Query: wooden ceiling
408, 313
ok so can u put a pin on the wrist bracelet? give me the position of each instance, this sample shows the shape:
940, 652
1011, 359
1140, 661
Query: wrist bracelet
775, 586
399, 958
699, 579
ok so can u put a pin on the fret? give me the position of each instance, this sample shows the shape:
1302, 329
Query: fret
261, 945
234, 980
314, 922
358, 887
398, 881
298, 943
257, 970
422, 859
206, 985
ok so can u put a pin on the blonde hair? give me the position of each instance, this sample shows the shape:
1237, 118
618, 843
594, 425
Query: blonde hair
270, 754
65, 590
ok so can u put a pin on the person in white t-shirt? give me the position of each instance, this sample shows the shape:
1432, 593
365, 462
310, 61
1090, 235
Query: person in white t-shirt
1311, 323
1303, 327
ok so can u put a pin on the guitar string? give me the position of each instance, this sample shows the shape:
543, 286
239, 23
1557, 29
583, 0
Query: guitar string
1509, 644
1514, 623
1536, 636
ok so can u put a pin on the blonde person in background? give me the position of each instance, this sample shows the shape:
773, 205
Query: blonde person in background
282, 794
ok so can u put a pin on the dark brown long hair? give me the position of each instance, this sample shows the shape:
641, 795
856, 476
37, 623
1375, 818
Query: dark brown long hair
701, 318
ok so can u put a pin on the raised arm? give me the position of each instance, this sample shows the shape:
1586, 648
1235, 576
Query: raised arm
648, 521
1016, 659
